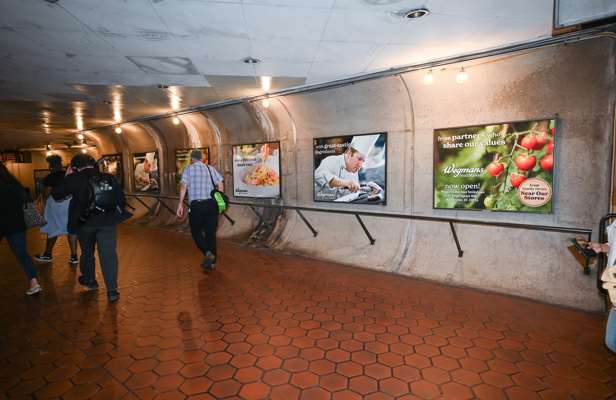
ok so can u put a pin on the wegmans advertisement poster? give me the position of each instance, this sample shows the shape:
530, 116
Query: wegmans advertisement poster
499, 167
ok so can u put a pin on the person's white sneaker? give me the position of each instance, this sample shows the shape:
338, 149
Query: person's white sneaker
34, 290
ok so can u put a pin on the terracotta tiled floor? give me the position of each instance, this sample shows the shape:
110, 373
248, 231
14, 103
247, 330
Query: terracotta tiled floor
266, 325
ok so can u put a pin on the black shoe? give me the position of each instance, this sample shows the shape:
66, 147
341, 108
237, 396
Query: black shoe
88, 284
113, 295
74, 260
44, 258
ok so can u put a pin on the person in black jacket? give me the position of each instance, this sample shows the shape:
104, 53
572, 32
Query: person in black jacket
93, 228
12, 225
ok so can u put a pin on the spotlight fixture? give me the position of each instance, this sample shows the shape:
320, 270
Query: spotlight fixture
462, 76
118, 130
80, 136
266, 83
48, 147
162, 86
428, 78
266, 103
416, 13
52, 1
84, 151
176, 121
251, 60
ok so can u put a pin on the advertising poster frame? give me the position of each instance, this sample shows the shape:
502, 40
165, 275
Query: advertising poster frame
551, 139
314, 167
233, 169
187, 150
38, 180
134, 157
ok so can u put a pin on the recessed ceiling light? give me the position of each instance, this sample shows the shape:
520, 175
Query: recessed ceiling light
51, 1
414, 14
106, 102
162, 86
251, 60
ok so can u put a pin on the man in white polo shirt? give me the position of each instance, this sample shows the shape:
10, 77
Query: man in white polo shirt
199, 179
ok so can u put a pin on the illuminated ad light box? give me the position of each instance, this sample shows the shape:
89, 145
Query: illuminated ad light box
182, 160
256, 170
351, 169
146, 176
112, 164
500, 167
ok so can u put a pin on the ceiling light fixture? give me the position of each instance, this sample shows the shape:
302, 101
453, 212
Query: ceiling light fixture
176, 121
428, 77
118, 130
49, 153
251, 60
80, 136
462, 76
162, 86
48, 147
414, 14
84, 151
266, 103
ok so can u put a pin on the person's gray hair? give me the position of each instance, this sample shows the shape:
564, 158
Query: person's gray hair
196, 155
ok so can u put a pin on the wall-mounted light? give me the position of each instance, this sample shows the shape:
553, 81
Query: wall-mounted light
462, 76
176, 121
118, 130
265, 103
84, 151
428, 78
266, 83
80, 136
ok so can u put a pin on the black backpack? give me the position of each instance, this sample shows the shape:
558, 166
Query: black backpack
103, 193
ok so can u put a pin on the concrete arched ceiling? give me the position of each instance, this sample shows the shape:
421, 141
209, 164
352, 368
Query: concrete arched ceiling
74, 64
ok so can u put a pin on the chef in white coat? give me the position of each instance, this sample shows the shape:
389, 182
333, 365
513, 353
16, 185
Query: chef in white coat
338, 175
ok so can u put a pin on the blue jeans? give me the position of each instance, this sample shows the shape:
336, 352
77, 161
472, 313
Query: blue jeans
610, 330
17, 243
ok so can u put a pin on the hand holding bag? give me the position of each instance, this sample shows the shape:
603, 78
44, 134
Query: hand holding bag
32, 215
221, 199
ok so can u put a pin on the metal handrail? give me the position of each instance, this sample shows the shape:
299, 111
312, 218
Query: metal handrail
357, 214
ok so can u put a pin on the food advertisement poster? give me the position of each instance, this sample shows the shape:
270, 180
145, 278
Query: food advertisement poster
145, 172
112, 164
351, 169
500, 167
182, 160
256, 170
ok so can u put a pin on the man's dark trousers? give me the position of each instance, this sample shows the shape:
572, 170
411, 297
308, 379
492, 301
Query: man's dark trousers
105, 238
203, 218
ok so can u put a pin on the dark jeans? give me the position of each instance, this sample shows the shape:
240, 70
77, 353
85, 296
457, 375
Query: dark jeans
17, 243
203, 218
105, 238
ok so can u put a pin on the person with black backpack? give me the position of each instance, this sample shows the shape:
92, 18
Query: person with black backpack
97, 206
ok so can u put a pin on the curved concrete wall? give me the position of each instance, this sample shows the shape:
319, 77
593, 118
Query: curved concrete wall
574, 82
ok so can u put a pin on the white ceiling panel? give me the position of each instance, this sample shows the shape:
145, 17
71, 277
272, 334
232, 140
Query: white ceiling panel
78, 42
37, 15
269, 22
116, 17
277, 49
140, 46
214, 67
190, 19
216, 48
294, 3
357, 54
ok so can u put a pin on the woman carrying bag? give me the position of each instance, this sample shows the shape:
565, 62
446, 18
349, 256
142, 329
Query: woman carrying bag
12, 225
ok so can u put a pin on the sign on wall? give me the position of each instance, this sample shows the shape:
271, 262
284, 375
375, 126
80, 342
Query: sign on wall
256, 170
112, 164
182, 160
500, 167
351, 169
145, 172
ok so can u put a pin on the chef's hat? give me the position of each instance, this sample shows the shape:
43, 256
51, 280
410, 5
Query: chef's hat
152, 160
364, 143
